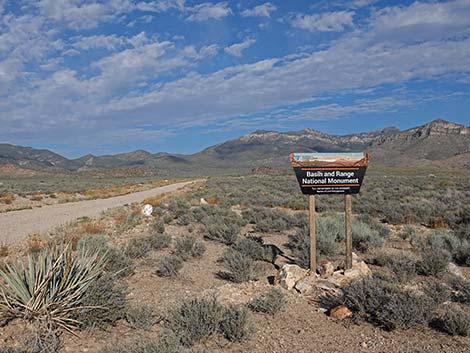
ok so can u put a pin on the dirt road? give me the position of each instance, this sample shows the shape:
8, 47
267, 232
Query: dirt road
16, 225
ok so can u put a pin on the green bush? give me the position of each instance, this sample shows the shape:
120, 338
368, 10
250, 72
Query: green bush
169, 266
118, 263
103, 303
434, 261
437, 292
461, 289
253, 247
158, 226
223, 231
95, 243
455, 321
55, 278
138, 247
268, 220
159, 241
188, 246
236, 325
364, 237
140, 316
403, 265
387, 306
196, 319
269, 302
240, 267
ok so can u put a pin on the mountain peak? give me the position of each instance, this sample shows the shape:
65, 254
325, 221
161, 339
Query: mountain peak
443, 127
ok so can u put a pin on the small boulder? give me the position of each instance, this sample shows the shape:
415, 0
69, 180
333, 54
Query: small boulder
147, 210
306, 285
340, 312
289, 275
455, 270
325, 269
203, 201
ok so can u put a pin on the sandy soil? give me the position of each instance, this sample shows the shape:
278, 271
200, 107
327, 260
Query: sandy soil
16, 225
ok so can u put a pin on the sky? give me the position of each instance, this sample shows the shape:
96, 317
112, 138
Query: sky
87, 76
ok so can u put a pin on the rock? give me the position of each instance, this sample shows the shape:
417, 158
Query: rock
290, 274
306, 285
325, 285
203, 201
147, 210
326, 269
455, 270
340, 312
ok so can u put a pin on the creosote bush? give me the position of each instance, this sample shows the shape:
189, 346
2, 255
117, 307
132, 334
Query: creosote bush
140, 315
169, 266
240, 267
269, 302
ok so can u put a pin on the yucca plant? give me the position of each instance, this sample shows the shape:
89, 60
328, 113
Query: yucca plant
49, 286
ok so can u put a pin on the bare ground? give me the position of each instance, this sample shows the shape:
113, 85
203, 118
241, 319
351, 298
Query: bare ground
16, 225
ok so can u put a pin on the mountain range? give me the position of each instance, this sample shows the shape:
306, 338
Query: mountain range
437, 143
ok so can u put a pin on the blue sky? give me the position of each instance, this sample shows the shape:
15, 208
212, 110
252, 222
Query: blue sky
87, 76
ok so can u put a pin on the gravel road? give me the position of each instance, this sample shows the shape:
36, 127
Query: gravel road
16, 225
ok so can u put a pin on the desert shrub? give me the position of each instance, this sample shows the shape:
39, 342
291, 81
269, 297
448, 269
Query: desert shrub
461, 290
252, 247
436, 291
269, 220
434, 261
408, 232
196, 319
461, 255
127, 219
103, 303
140, 315
223, 231
55, 278
44, 338
240, 268
462, 231
189, 246
165, 343
138, 247
7, 198
93, 243
178, 206
169, 266
8, 349
159, 241
269, 302
387, 306
236, 325
158, 226
118, 263
365, 237
403, 265
454, 321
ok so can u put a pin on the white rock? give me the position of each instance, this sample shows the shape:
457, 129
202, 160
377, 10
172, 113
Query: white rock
289, 275
147, 210
306, 285
203, 201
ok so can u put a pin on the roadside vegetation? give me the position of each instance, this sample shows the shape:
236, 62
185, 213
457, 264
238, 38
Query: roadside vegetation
198, 274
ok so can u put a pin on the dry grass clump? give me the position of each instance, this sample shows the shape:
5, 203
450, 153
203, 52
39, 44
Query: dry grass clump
4, 250
35, 243
7, 198
93, 227
169, 266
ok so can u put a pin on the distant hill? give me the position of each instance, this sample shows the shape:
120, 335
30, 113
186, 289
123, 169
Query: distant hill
439, 142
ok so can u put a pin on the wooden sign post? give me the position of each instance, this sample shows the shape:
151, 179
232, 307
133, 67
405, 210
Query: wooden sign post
330, 173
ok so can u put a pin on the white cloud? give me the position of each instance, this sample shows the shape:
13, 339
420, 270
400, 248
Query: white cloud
238, 48
207, 11
324, 22
78, 14
161, 5
108, 42
263, 10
